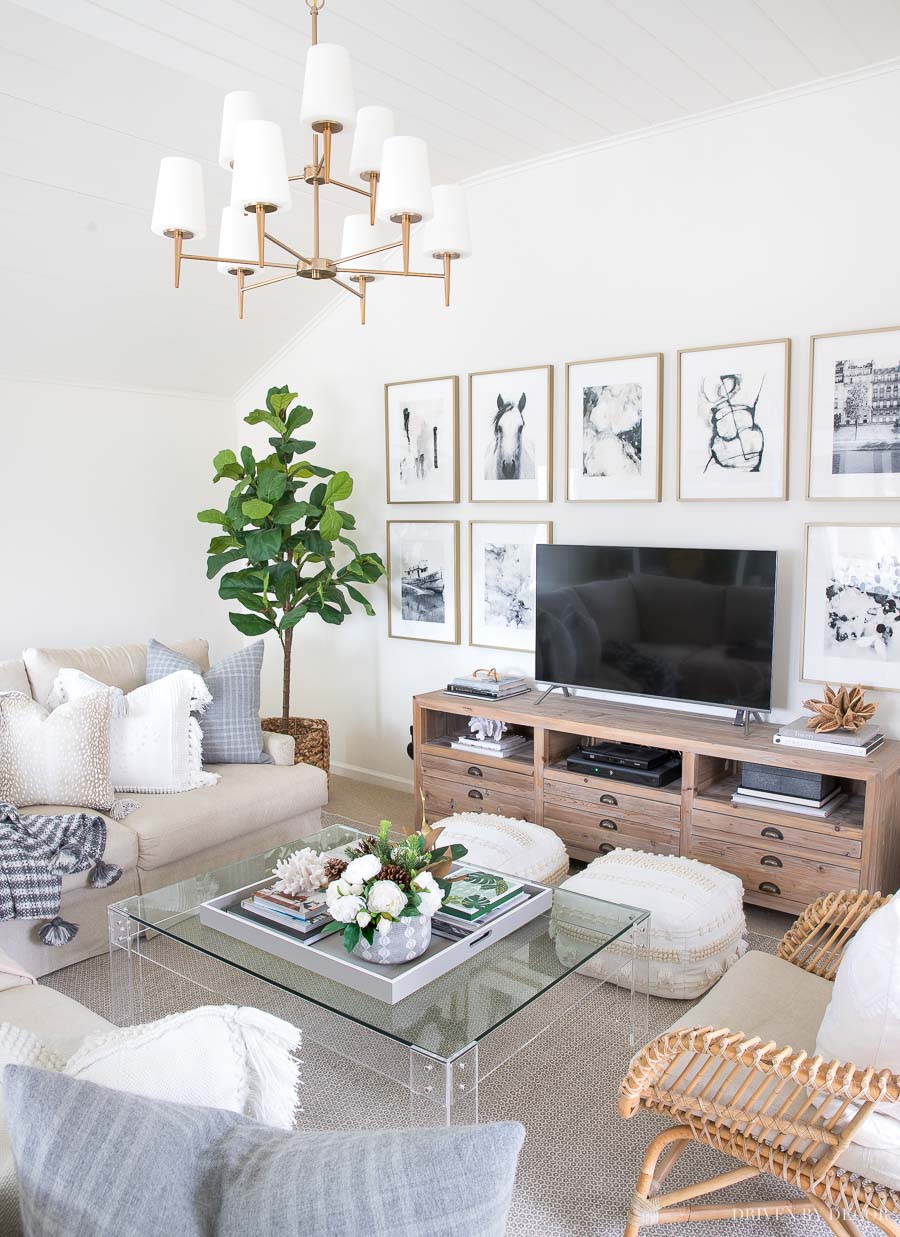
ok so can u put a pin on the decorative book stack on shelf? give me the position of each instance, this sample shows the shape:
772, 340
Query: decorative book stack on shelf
786, 857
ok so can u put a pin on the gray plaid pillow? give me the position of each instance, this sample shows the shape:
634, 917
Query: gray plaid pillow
230, 725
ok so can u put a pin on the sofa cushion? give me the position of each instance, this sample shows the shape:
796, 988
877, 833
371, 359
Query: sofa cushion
247, 798
13, 677
117, 665
13, 974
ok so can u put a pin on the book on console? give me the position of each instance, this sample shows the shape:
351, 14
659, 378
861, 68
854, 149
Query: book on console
800, 809
475, 693
778, 796
798, 729
833, 749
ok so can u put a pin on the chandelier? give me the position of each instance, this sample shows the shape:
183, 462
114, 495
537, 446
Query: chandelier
394, 170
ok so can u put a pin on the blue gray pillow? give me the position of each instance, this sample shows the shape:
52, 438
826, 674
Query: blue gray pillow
93, 1162
231, 731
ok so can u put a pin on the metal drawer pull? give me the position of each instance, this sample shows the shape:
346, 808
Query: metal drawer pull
605, 847
610, 799
606, 823
475, 794
771, 861
474, 771
771, 832
769, 887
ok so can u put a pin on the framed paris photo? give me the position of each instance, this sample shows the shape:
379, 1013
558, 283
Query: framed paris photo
733, 413
421, 430
614, 429
502, 582
423, 580
854, 415
511, 435
851, 605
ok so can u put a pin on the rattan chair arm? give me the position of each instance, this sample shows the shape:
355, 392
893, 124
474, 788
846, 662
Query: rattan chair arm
817, 940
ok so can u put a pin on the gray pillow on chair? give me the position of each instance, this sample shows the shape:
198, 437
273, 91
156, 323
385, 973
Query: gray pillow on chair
230, 725
93, 1162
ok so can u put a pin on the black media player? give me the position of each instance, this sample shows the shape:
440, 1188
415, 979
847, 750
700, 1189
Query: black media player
668, 771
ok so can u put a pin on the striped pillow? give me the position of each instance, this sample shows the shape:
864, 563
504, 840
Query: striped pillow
231, 731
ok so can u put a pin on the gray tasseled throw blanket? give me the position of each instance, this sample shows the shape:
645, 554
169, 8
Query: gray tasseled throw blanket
36, 852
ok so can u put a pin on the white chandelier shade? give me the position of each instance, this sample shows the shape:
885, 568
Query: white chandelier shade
360, 237
327, 89
237, 239
405, 188
238, 106
448, 229
179, 205
373, 126
260, 168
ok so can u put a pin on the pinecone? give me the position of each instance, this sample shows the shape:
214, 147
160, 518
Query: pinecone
334, 869
365, 846
394, 872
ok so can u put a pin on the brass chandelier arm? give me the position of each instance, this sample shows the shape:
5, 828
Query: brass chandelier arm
340, 283
367, 253
205, 257
355, 270
353, 188
287, 248
264, 283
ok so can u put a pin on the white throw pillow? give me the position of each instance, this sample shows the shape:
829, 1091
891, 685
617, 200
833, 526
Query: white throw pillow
155, 741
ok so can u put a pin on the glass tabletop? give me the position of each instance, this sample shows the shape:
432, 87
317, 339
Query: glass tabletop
447, 1014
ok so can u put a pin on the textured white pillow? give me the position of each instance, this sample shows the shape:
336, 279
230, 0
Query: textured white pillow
155, 741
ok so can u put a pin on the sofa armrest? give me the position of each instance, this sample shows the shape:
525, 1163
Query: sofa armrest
12, 975
279, 746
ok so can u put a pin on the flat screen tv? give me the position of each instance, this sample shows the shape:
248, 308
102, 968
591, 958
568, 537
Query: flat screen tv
682, 624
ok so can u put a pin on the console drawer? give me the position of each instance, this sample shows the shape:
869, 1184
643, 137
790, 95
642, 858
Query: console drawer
518, 780
444, 797
840, 844
795, 879
593, 792
607, 804
589, 834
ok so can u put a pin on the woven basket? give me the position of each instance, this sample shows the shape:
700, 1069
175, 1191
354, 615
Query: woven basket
312, 745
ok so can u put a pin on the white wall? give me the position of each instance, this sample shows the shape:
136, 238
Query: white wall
775, 220
99, 490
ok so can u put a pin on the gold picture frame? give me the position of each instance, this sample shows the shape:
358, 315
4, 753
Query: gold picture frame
548, 524
811, 426
656, 496
519, 369
783, 472
456, 623
453, 495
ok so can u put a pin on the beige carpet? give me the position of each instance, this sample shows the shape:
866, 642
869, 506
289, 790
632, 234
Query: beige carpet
580, 1161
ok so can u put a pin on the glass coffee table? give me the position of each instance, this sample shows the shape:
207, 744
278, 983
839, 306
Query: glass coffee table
439, 1042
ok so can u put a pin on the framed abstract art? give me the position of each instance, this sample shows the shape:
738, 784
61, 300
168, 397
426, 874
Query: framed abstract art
733, 412
423, 580
614, 429
421, 429
502, 579
511, 435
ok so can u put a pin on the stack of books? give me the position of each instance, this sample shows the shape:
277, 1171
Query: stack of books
482, 688
773, 800
479, 896
304, 916
838, 742
504, 746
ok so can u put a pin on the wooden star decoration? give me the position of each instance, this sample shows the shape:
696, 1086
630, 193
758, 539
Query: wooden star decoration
844, 708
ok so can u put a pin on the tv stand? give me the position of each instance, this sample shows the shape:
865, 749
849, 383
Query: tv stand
785, 860
554, 687
745, 718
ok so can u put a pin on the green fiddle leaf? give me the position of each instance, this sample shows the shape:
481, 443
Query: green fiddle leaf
255, 509
216, 562
339, 488
253, 602
280, 400
330, 615
298, 417
222, 459
361, 600
233, 472
293, 617
270, 395
211, 516
271, 461
236, 582
305, 469
271, 485
331, 524
218, 545
291, 511
351, 545
269, 418
251, 624
297, 446
314, 543
264, 544
247, 460
349, 520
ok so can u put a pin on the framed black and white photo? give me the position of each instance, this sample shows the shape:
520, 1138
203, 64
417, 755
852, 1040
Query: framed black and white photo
614, 429
851, 609
502, 582
423, 580
511, 435
854, 415
421, 428
733, 412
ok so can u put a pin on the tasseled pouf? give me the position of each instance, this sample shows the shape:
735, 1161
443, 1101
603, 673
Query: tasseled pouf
697, 924
504, 844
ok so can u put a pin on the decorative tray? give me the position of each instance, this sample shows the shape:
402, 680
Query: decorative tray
327, 956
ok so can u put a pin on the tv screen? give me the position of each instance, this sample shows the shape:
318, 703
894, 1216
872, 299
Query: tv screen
693, 625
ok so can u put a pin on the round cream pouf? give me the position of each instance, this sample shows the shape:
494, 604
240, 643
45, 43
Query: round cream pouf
503, 844
697, 924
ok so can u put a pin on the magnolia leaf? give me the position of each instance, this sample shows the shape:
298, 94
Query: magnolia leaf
263, 545
251, 624
211, 516
351, 937
271, 485
255, 509
216, 562
298, 416
339, 488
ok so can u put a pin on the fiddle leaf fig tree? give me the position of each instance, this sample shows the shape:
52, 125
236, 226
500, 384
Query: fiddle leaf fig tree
283, 530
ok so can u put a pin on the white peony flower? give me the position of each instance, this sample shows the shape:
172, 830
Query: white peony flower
300, 873
341, 889
384, 926
386, 898
363, 869
345, 909
363, 919
430, 893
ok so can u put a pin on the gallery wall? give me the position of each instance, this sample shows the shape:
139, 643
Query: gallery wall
776, 219
99, 489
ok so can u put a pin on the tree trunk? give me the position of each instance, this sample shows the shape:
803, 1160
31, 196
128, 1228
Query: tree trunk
286, 679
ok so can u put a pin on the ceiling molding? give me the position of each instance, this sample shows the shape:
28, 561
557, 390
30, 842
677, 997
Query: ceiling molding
207, 397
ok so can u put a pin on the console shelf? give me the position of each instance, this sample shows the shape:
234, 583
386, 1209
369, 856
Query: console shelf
784, 859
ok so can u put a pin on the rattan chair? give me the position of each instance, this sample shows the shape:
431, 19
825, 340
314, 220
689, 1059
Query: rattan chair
777, 1111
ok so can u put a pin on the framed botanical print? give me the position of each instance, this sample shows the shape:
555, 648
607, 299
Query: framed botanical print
423, 580
854, 415
851, 605
511, 435
733, 412
421, 429
502, 582
614, 429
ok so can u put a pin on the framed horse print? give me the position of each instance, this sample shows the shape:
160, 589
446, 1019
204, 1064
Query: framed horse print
421, 430
511, 435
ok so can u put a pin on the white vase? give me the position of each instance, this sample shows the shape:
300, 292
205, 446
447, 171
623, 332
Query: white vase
407, 939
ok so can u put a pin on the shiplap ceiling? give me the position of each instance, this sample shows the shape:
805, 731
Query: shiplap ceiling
93, 92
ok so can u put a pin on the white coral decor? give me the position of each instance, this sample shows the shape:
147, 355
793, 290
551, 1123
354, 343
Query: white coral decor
386, 898
302, 872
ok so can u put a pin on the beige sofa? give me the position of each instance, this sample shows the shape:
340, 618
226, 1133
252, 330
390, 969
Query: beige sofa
169, 837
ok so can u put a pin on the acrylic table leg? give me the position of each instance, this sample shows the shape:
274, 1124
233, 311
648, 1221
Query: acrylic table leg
125, 990
443, 1092
639, 985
